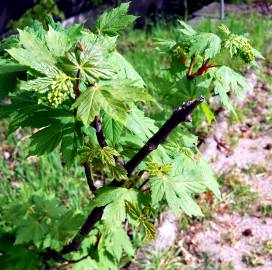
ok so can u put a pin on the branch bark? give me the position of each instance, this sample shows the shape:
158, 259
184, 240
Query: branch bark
179, 116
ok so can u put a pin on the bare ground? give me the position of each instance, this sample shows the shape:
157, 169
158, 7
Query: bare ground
242, 238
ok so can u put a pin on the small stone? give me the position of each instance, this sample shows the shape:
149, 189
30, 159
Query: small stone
247, 232
268, 146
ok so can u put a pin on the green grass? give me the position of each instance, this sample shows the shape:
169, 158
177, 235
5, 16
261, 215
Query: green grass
19, 172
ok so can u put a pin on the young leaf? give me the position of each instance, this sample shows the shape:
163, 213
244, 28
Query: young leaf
107, 155
206, 44
118, 172
33, 54
115, 201
114, 21
112, 129
57, 42
139, 124
96, 98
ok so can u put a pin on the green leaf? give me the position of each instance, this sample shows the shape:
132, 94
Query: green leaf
57, 42
175, 193
114, 21
112, 129
186, 29
115, 201
63, 229
20, 258
139, 124
124, 70
34, 54
206, 44
46, 140
207, 111
85, 264
40, 84
117, 241
127, 90
72, 140
7, 66
227, 80
7, 84
96, 98
108, 154
232, 81
92, 63
189, 177
31, 230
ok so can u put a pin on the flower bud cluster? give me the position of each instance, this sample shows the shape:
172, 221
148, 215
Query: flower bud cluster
238, 46
60, 89
245, 51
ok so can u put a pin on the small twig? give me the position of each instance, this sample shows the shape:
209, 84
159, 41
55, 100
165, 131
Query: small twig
77, 83
190, 70
88, 173
99, 132
143, 184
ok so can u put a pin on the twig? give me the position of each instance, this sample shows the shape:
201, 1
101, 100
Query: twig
190, 70
179, 116
88, 174
99, 132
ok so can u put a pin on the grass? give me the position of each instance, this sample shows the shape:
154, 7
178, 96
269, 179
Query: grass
241, 196
161, 260
19, 172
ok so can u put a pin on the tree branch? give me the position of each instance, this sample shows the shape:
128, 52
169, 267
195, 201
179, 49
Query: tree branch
179, 116
99, 132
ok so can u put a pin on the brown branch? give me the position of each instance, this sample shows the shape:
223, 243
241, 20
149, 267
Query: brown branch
76, 85
99, 132
179, 116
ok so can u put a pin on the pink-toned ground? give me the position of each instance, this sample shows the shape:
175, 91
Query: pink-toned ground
243, 240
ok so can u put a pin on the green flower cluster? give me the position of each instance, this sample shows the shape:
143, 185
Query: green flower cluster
245, 51
238, 45
60, 89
